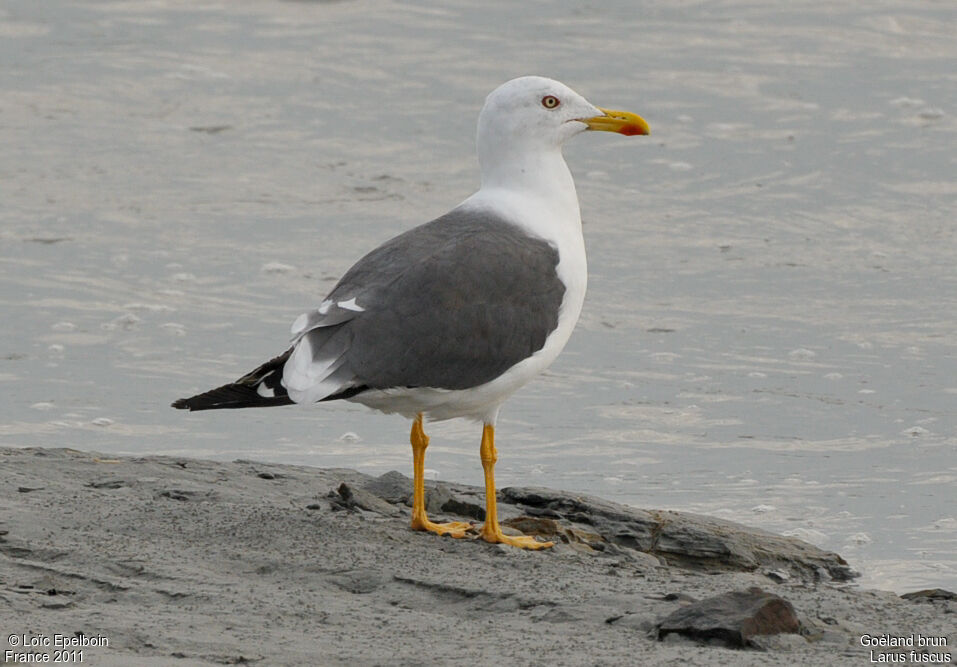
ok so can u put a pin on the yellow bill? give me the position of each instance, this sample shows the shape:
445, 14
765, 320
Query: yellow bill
622, 122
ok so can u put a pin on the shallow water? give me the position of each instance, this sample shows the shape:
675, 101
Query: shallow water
770, 333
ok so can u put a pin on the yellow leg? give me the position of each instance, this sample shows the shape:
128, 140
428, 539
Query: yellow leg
491, 531
420, 521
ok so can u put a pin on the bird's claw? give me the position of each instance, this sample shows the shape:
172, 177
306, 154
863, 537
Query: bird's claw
456, 529
521, 541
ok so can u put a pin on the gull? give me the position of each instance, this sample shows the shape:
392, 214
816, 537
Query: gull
452, 317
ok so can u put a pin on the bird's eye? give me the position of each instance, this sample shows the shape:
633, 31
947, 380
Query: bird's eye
550, 102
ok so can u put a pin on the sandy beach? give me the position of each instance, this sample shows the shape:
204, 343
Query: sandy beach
181, 561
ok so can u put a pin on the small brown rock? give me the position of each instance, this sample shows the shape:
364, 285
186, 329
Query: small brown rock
732, 618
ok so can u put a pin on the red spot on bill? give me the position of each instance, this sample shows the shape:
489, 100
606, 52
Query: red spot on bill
632, 129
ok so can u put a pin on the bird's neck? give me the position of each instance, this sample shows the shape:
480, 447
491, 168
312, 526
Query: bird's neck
536, 171
532, 180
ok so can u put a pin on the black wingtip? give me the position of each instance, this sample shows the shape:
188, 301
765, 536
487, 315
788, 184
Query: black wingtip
243, 393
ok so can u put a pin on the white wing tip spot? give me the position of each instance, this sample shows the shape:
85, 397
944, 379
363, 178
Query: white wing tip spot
351, 305
324, 306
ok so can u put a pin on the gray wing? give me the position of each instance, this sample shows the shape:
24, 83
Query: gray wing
451, 304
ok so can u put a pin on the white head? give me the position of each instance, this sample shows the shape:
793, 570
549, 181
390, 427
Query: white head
533, 109
526, 120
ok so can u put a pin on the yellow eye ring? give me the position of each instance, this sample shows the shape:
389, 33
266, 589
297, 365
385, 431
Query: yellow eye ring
550, 102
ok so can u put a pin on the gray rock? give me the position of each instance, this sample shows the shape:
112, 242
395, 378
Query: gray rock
463, 506
393, 487
352, 496
686, 540
930, 595
435, 498
396, 488
595, 526
732, 619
